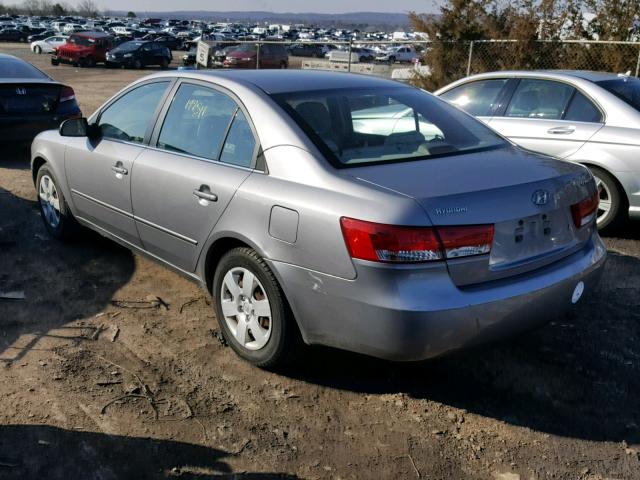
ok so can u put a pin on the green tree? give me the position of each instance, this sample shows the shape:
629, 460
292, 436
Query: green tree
131, 15
58, 10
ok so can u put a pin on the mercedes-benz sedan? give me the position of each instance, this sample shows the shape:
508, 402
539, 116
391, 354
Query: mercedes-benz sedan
341, 209
591, 118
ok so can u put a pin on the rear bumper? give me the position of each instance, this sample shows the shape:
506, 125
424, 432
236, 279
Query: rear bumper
24, 129
417, 313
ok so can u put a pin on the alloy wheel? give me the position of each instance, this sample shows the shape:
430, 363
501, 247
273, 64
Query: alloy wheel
246, 308
604, 207
49, 201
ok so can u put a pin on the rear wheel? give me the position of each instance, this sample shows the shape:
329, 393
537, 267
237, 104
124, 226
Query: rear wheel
251, 310
37, 49
164, 63
54, 210
283, 65
612, 210
137, 64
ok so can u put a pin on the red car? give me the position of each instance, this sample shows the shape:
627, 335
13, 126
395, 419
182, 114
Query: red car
84, 49
245, 56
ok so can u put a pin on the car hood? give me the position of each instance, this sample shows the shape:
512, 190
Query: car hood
481, 187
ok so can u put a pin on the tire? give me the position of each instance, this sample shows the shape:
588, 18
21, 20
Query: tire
283, 65
137, 64
279, 335
392, 59
164, 64
37, 49
89, 62
610, 195
59, 222
55, 63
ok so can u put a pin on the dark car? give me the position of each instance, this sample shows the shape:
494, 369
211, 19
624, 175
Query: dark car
138, 54
31, 101
13, 35
246, 56
306, 50
41, 36
189, 58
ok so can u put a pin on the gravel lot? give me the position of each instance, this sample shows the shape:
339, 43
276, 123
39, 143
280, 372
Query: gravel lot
561, 402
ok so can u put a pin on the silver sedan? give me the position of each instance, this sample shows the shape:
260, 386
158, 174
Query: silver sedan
592, 118
331, 208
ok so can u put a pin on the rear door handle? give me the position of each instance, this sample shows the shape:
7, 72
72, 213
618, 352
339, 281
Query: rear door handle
561, 130
204, 193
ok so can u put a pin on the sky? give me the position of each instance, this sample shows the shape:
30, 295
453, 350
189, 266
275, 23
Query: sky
321, 6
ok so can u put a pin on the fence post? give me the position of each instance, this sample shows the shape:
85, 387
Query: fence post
258, 56
470, 56
638, 64
350, 45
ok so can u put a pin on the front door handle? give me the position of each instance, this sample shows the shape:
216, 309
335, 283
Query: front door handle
561, 130
204, 193
119, 169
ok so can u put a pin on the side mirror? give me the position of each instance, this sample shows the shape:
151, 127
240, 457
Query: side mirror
79, 127
74, 127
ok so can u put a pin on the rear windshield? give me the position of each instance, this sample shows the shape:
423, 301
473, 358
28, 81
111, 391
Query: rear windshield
127, 46
355, 127
14, 68
627, 89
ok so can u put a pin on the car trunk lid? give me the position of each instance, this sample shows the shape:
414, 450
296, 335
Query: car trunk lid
20, 98
526, 197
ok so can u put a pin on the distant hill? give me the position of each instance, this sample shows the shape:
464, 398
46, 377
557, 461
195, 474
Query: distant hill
352, 20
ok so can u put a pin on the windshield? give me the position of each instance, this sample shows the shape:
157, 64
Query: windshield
355, 127
14, 68
626, 89
83, 41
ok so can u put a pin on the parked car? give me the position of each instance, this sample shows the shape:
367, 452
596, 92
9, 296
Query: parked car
48, 45
13, 35
402, 245
589, 118
41, 36
220, 55
31, 101
398, 54
306, 50
139, 54
83, 49
245, 56
189, 58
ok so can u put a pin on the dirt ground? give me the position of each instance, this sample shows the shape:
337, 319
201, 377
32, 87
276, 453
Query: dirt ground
561, 402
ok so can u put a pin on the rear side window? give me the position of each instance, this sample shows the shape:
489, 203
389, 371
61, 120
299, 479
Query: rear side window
541, 99
240, 144
130, 115
626, 89
476, 98
581, 109
197, 122
15, 68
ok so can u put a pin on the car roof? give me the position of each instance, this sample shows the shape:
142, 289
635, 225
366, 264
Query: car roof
91, 34
588, 75
284, 81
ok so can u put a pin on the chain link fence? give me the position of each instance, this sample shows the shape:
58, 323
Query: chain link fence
433, 64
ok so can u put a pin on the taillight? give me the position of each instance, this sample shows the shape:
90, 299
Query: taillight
378, 242
67, 94
585, 211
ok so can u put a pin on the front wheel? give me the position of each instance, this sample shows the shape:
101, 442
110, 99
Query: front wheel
164, 64
54, 210
612, 209
37, 49
251, 310
137, 64
283, 65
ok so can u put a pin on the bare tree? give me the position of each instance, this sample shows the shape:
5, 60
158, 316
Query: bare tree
88, 8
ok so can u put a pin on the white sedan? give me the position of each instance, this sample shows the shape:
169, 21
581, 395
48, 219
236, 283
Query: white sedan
48, 44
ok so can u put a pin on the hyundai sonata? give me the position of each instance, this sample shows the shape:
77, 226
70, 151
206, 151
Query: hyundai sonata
345, 210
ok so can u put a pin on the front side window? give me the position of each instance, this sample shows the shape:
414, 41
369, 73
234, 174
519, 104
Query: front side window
476, 98
354, 127
541, 99
197, 121
130, 115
